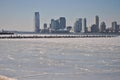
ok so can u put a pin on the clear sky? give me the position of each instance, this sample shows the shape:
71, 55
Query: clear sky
19, 14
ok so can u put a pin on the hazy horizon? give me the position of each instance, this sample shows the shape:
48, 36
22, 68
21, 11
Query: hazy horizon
19, 14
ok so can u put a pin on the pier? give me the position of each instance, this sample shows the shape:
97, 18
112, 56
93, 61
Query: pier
19, 36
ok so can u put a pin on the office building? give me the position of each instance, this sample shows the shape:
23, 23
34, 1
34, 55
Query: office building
94, 29
62, 23
78, 26
37, 22
115, 27
55, 24
103, 27
85, 25
52, 25
97, 23
45, 26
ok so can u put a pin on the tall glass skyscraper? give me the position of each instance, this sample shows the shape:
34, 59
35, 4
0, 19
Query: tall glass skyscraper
115, 27
55, 24
85, 25
37, 22
97, 23
58, 24
102, 27
62, 22
78, 25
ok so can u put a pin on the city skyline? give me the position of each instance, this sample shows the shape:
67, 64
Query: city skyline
19, 14
80, 26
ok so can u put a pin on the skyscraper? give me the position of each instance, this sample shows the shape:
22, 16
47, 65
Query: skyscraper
97, 23
55, 24
37, 22
103, 27
62, 22
115, 27
85, 25
94, 29
78, 25
45, 26
52, 24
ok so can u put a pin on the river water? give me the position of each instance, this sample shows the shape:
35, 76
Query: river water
61, 59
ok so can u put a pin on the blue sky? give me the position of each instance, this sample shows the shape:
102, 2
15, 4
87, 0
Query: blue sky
19, 14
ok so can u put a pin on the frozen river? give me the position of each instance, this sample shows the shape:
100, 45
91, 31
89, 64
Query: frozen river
61, 59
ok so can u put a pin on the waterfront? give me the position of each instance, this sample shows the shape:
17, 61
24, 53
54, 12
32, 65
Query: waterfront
61, 58
79, 35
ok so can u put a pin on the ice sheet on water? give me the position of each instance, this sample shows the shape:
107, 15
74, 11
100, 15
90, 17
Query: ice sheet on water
61, 59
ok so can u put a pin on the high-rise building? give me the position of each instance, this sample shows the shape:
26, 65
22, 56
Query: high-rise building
94, 29
45, 26
115, 27
52, 25
55, 24
103, 27
78, 25
62, 22
97, 23
85, 25
37, 22
58, 24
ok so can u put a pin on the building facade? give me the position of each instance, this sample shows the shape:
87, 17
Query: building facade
85, 25
94, 29
45, 26
97, 23
62, 23
58, 24
115, 27
103, 27
78, 26
37, 22
55, 24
